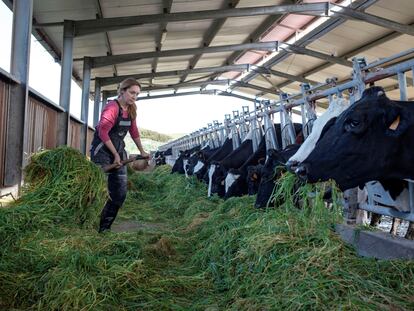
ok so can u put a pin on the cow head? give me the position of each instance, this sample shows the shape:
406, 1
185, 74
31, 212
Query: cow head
366, 142
272, 170
336, 107
235, 184
254, 174
217, 174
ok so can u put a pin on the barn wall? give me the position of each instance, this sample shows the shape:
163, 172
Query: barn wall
4, 104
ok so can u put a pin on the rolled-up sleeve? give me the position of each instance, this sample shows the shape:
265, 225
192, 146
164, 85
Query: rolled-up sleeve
107, 121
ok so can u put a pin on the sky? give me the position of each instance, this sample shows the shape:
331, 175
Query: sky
181, 114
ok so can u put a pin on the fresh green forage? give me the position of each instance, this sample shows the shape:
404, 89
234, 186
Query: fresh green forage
182, 250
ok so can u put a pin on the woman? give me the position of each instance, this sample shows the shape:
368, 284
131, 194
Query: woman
117, 118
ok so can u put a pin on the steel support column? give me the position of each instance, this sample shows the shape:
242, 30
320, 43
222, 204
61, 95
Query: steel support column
85, 102
65, 82
97, 103
19, 67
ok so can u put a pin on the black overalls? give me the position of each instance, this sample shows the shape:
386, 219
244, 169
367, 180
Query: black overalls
117, 178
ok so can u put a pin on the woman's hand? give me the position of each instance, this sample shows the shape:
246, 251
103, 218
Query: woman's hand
144, 154
117, 160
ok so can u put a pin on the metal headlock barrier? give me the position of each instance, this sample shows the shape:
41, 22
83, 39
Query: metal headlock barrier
260, 120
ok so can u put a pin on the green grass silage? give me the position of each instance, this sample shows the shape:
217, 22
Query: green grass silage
204, 254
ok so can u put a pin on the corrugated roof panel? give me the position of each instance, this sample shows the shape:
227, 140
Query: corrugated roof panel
399, 10
195, 5
121, 8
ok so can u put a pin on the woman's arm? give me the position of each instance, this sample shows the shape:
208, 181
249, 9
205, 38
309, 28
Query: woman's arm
137, 141
111, 147
107, 121
136, 138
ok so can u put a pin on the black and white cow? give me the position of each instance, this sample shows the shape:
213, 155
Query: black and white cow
159, 156
199, 157
179, 165
202, 165
368, 142
236, 180
218, 169
272, 170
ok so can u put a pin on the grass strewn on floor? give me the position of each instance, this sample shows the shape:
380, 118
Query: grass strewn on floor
207, 255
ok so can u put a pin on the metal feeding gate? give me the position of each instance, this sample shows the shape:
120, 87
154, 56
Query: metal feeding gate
262, 118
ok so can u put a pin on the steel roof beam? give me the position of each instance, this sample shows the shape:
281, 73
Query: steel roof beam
256, 35
304, 51
373, 19
107, 41
208, 92
210, 34
112, 80
86, 27
167, 4
352, 53
204, 92
239, 67
205, 83
312, 36
264, 70
101, 61
254, 87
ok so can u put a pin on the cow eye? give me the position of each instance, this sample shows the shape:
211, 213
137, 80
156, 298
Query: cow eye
354, 123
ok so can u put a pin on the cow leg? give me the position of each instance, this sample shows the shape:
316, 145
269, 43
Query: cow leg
409, 235
361, 217
396, 222
350, 205
375, 219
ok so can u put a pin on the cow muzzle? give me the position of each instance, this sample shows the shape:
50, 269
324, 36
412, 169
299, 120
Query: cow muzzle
302, 171
291, 166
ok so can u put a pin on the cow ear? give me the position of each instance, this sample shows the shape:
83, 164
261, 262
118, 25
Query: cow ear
395, 121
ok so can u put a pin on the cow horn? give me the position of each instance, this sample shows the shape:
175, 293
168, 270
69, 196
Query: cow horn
395, 124
380, 93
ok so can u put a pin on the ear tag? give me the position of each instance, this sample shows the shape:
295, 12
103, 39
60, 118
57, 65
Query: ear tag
395, 124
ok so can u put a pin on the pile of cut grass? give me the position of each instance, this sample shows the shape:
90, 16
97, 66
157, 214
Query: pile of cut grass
206, 254
65, 184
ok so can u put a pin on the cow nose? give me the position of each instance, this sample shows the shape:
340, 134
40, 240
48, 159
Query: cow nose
292, 166
302, 171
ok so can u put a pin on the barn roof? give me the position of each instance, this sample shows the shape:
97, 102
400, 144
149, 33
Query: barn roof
248, 47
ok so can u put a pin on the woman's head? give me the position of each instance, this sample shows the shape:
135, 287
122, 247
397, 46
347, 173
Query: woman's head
128, 92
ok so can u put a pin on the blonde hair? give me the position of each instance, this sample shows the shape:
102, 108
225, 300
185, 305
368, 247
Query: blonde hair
123, 86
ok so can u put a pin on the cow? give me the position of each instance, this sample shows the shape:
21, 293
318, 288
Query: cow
202, 165
179, 165
272, 170
236, 180
192, 160
254, 175
367, 142
218, 169
159, 156
336, 107
376, 129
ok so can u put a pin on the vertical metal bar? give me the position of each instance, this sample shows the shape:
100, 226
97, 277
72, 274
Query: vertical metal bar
412, 76
270, 133
357, 75
97, 103
85, 102
65, 82
402, 83
19, 67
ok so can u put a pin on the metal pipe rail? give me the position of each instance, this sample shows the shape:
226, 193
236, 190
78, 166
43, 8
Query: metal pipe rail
293, 101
